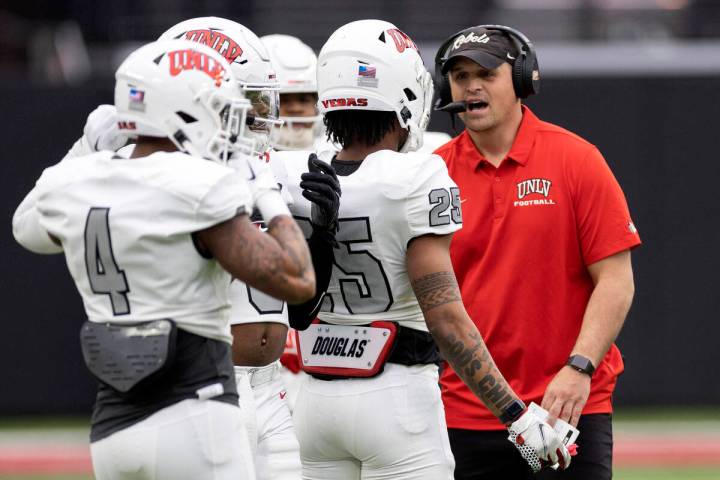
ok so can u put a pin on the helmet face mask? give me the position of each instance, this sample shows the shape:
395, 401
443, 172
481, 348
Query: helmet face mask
183, 91
229, 136
296, 133
250, 64
296, 67
372, 65
264, 114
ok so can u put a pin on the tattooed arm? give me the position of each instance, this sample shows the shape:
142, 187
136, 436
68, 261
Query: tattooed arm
432, 278
276, 262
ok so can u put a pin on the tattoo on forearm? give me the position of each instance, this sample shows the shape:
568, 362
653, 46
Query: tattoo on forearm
493, 391
273, 269
471, 360
436, 289
289, 235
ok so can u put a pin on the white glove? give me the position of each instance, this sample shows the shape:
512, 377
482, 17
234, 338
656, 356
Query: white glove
100, 133
538, 442
264, 188
101, 130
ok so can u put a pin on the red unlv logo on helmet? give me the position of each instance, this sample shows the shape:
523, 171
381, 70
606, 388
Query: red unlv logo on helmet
225, 46
189, 59
402, 41
345, 102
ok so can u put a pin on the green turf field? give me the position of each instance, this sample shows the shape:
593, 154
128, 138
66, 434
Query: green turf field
700, 420
665, 474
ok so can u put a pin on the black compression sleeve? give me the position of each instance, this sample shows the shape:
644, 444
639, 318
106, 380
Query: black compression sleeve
321, 244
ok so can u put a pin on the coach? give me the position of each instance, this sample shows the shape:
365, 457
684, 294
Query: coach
543, 259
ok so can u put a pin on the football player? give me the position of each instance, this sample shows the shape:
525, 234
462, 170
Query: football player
151, 242
259, 321
295, 65
371, 408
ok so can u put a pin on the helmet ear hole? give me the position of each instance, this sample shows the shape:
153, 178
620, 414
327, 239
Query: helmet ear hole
409, 94
405, 114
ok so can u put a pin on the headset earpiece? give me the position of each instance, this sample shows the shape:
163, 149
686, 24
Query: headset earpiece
518, 75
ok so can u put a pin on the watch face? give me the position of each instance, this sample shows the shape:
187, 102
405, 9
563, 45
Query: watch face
581, 364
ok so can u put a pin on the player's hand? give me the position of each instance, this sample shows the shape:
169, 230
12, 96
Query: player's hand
538, 443
566, 395
256, 171
321, 186
101, 130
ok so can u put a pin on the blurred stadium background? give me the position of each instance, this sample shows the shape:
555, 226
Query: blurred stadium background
639, 78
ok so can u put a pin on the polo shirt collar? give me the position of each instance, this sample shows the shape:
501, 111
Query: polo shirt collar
521, 147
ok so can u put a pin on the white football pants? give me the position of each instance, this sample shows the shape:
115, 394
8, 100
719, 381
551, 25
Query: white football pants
191, 439
388, 427
271, 434
292, 382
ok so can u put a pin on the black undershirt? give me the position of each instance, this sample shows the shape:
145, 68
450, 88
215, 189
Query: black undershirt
345, 167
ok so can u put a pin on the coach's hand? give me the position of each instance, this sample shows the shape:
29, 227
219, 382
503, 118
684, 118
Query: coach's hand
321, 186
566, 395
101, 130
538, 443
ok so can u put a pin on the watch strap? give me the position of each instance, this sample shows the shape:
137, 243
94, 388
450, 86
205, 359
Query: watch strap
512, 412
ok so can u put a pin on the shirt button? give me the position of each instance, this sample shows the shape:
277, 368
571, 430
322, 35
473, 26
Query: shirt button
497, 200
497, 179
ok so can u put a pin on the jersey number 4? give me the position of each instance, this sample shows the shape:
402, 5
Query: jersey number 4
103, 272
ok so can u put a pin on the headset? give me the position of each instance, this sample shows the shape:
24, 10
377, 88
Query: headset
525, 69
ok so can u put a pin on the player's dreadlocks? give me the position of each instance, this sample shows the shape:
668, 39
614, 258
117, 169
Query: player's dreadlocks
347, 127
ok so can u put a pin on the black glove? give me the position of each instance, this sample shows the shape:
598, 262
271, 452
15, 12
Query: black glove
321, 186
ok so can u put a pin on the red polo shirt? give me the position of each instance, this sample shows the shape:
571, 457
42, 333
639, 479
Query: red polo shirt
530, 229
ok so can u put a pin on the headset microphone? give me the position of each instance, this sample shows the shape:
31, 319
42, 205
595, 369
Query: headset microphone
454, 107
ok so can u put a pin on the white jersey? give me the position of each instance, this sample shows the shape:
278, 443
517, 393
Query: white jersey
125, 227
250, 305
391, 199
433, 140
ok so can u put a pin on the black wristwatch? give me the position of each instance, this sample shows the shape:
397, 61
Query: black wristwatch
512, 412
581, 364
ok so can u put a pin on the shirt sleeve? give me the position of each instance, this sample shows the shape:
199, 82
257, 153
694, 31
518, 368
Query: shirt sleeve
27, 229
228, 197
602, 215
433, 203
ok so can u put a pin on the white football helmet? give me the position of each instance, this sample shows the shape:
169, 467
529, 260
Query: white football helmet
250, 64
183, 91
296, 67
372, 65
